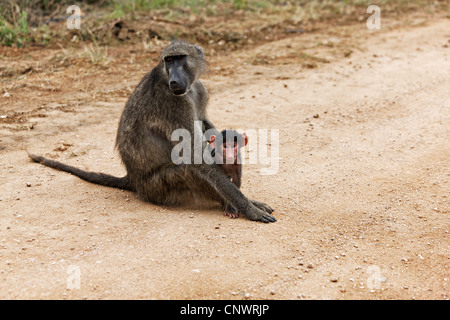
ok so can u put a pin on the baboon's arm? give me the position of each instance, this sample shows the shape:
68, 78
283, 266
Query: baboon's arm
216, 178
208, 125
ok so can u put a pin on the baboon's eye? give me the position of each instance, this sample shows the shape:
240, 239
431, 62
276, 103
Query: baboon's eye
172, 59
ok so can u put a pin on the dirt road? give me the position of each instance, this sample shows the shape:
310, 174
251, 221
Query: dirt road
361, 193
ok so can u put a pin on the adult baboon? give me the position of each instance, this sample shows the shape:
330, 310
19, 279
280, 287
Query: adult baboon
170, 97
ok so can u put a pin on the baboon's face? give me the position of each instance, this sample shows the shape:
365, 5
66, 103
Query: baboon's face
231, 143
179, 75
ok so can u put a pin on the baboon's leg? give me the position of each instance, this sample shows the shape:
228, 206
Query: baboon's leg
169, 185
215, 177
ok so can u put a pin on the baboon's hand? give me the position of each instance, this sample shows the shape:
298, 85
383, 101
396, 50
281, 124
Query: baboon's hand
230, 211
262, 206
253, 213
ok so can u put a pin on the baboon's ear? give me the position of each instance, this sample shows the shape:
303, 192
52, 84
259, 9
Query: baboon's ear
212, 141
244, 136
199, 50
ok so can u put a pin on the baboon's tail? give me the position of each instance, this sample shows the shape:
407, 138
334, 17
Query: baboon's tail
94, 177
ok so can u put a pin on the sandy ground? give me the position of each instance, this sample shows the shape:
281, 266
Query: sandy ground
361, 193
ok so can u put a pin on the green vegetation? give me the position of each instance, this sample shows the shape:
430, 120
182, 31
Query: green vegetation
15, 32
17, 16
97, 55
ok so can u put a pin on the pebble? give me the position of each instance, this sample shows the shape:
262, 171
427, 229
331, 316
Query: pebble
28, 184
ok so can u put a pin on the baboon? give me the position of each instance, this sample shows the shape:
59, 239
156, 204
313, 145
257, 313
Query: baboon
170, 97
228, 149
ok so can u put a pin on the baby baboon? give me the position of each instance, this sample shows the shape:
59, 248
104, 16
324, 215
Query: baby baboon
228, 149
170, 97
